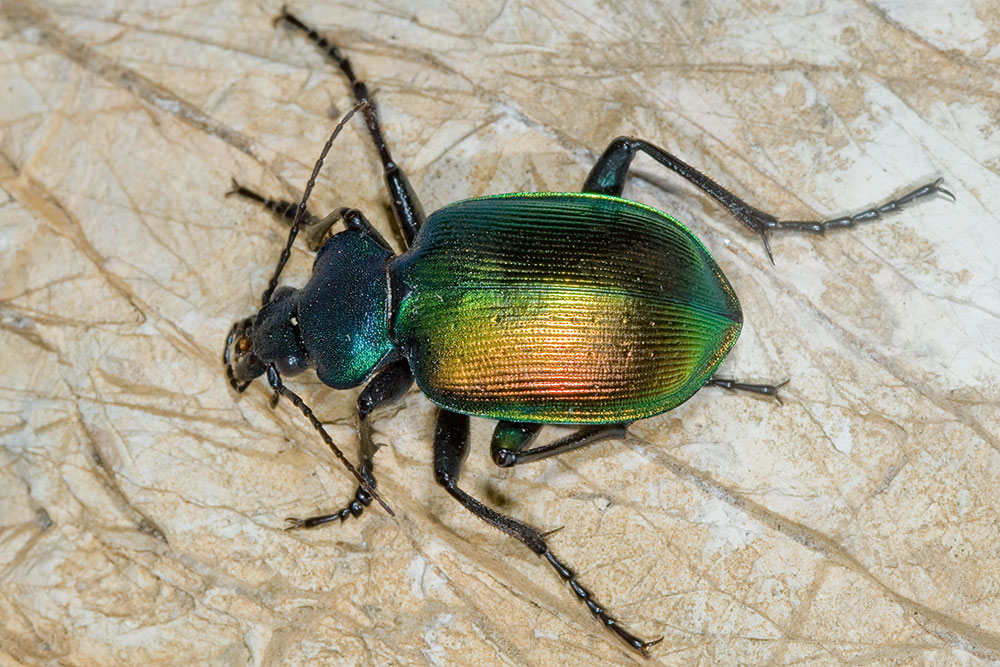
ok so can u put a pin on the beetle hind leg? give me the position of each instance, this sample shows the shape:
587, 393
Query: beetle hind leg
609, 173
735, 385
511, 444
451, 446
512, 441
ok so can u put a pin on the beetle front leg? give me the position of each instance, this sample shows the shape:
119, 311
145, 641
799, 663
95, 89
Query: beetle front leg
313, 227
386, 387
511, 438
609, 173
451, 447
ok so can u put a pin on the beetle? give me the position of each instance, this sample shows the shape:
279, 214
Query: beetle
574, 308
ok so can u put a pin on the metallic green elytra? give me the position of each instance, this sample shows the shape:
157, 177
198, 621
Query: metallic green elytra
560, 307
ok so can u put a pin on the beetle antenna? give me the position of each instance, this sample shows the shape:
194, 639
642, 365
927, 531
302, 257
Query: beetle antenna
301, 210
279, 388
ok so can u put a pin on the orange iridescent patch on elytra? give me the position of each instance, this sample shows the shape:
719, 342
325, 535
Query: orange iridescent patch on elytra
566, 357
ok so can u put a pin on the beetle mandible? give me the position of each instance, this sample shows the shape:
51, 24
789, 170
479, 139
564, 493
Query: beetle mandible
582, 308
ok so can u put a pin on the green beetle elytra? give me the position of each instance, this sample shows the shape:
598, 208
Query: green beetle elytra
528, 308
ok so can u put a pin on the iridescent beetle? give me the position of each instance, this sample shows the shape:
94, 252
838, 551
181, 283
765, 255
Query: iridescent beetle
529, 308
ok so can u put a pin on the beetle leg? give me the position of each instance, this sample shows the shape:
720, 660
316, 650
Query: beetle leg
609, 173
386, 387
405, 205
274, 379
451, 447
511, 438
734, 385
314, 228
356, 220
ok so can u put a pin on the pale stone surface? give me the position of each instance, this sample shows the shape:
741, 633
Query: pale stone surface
142, 502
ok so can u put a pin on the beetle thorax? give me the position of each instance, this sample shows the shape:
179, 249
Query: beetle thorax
342, 311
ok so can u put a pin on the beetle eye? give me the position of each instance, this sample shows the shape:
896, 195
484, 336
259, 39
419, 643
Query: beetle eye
244, 345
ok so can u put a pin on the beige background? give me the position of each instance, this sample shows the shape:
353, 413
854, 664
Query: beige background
141, 502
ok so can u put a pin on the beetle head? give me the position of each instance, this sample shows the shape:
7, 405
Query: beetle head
269, 338
242, 365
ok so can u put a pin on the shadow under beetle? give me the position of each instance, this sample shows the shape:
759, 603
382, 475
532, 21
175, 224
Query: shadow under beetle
528, 308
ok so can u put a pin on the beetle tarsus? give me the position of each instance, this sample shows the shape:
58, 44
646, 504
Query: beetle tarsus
753, 388
355, 508
596, 609
874, 213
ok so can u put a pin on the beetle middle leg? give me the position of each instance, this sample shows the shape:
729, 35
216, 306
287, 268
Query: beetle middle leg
451, 447
609, 173
405, 205
386, 387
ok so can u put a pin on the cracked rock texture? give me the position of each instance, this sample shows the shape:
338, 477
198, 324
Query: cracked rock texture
142, 502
